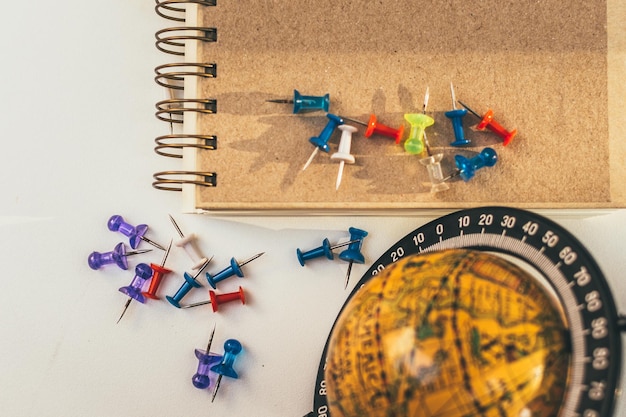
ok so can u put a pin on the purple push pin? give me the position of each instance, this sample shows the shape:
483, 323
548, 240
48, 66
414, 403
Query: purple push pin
117, 256
203, 378
135, 234
143, 272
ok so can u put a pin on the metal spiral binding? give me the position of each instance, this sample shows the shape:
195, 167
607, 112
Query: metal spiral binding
172, 41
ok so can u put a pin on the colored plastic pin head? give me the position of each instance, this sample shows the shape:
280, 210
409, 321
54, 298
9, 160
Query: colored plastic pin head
487, 122
216, 299
206, 360
325, 250
414, 144
143, 272
190, 282
306, 104
435, 173
135, 234
375, 128
189, 245
343, 154
468, 167
456, 117
159, 272
117, 256
232, 348
233, 269
321, 141
353, 252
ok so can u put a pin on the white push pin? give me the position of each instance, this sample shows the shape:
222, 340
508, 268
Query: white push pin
343, 154
435, 174
188, 243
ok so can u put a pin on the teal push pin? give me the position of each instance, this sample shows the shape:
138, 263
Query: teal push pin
233, 269
232, 348
324, 250
467, 167
306, 104
353, 253
456, 117
321, 141
190, 282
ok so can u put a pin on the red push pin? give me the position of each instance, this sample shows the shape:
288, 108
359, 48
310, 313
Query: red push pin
375, 128
488, 122
158, 272
217, 299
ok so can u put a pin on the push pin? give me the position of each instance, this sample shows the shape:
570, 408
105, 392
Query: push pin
343, 154
435, 173
117, 256
159, 271
190, 282
488, 122
143, 272
353, 253
416, 141
232, 348
202, 378
325, 250
189, 245
375, 128
306, 104
135, 234
216, 299
321, 141
233, 269
467, 168
456, 117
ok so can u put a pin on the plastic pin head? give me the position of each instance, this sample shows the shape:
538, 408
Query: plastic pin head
190, 282
487, 122
135, 234
117, 256
414, 144
216, 299
321, 141
456, 117
343, 154
206, 360
306, 104
232, 348
143, 272
435, 173
353, 253
233, 269
159, 272
467, 167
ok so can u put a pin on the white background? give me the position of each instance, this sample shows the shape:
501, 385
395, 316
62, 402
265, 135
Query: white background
77, 105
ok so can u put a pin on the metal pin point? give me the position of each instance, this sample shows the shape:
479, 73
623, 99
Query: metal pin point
424, 106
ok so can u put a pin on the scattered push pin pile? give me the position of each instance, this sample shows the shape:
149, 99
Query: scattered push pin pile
416, 142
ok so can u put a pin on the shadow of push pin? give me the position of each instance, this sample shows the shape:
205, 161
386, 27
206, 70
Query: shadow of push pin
343, 154
216, 299
117, 256
143, 272
232, 348
456, 117
190, 282
203, 378
233, 269
158, 273
189, 245
135, 234
467, 167
375, 128
435, 173
325, 250
321, 141
306, 104
353, 253
487, 122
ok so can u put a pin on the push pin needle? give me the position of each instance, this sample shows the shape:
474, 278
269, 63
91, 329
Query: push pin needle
426, 98
182, 236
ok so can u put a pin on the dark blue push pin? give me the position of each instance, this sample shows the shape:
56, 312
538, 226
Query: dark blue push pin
233, 269
467, 168
325, 250
353, 253
456, 117
143, 272
232, 348
206, 360
305, 104
321, 141
135, 234
117, 256
190, 282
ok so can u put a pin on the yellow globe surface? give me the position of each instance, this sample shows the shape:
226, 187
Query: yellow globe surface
451, 333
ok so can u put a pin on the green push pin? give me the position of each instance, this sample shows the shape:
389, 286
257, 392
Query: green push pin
414, 144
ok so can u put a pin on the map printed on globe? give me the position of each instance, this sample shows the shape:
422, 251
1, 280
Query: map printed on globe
449, 333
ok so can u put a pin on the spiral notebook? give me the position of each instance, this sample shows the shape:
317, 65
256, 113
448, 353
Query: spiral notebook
552, 71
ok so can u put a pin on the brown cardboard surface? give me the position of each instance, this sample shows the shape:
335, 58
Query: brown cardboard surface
545, 70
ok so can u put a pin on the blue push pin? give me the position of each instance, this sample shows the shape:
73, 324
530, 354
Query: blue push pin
206, 360
233, 269
306, 104
135, 234
467, 168
143, 272
190, 282
325, 250
456, 117
353, 253
321, 141
232, 348
117, 256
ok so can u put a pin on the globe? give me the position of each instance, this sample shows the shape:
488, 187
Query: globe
455, 333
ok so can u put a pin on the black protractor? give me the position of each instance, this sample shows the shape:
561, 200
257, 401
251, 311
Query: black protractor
537, 243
